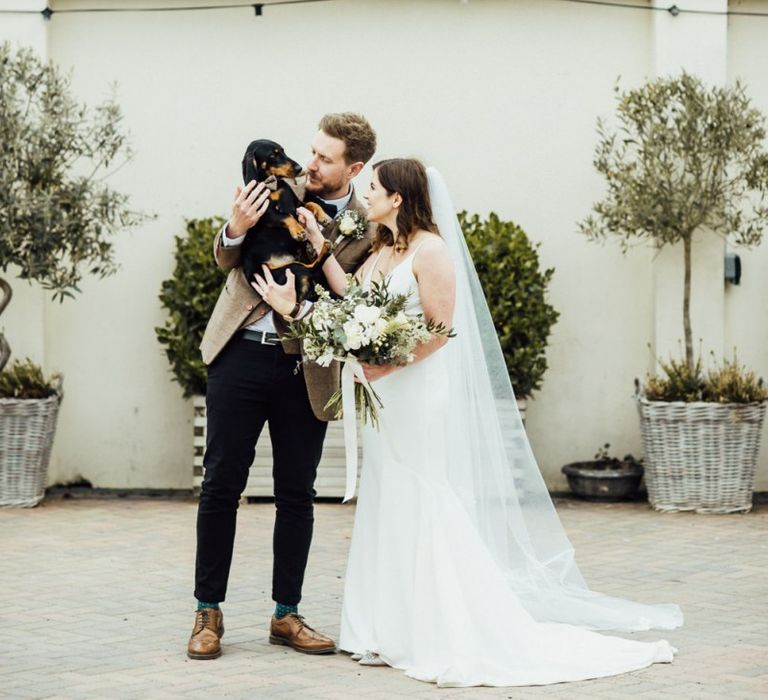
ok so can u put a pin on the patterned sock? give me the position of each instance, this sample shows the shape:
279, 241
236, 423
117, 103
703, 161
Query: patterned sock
283, 610
201, 605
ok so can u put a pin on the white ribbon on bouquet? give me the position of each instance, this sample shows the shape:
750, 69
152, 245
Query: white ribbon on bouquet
349, 371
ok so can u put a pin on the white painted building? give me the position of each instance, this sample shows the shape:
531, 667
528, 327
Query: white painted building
502, 96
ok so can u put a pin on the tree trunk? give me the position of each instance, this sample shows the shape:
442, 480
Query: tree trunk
5, 350
687, 303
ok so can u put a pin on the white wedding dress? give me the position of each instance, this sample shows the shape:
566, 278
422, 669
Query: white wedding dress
434, 592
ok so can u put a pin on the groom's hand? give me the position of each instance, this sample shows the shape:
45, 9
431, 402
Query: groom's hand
281, 297
249, 206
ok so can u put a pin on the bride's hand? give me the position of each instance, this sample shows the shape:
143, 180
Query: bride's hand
374, 372
309, 222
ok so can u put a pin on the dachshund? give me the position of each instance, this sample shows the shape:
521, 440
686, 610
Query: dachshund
278, 239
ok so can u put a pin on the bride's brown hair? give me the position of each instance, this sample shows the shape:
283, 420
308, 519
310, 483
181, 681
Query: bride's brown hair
407, 177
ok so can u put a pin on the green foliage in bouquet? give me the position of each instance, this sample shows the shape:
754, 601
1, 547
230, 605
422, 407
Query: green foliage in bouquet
368, 326
729, 382
25, 380
189, 297
515, 286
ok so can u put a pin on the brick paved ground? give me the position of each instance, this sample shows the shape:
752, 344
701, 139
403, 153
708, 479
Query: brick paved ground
97, 604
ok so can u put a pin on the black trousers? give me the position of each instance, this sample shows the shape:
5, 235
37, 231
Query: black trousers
250, 384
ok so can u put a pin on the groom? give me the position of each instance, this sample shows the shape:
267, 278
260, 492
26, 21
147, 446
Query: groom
255, 377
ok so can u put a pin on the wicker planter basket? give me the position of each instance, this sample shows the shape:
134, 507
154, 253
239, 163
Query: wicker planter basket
700, 456
27, 427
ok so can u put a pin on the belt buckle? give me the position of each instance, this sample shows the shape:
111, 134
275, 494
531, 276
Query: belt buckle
265, 340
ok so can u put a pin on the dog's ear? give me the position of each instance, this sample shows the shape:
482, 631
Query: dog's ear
245, 168
251, 169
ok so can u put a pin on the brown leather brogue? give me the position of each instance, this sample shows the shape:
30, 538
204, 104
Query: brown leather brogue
293, 632
206, 635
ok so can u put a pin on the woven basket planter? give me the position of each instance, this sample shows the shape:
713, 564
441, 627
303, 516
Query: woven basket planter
27, 427
700, 456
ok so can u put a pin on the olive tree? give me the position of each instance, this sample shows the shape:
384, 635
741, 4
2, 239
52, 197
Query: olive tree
57, 215
684, 158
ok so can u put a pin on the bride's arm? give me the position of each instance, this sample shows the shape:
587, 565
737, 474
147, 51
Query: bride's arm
437, 288
435, 275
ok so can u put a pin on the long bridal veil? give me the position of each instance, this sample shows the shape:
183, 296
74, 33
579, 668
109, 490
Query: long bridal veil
494, 473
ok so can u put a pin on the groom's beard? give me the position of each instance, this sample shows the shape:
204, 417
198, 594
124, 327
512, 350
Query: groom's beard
323, 189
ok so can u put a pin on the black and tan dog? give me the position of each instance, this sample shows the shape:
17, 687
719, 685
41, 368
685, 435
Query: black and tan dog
278, 239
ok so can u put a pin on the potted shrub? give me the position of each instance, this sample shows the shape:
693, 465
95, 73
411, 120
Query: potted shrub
56, 217
701, 431
605, 478
687, 158
189, 297
515, 286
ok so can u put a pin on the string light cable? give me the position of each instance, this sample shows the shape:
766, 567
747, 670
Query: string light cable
673, 10
258, 8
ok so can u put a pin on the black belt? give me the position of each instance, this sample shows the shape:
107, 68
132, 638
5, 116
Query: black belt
262, 337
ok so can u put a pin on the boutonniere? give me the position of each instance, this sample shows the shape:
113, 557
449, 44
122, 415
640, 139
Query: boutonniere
352, 224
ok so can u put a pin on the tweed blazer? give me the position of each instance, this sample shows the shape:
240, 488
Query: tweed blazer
239, 305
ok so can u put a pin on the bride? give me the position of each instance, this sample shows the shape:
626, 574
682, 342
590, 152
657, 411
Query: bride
459, 570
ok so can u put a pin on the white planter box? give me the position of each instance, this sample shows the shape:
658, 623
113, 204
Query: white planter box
331, 474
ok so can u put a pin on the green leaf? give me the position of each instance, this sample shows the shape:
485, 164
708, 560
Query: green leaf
189, 297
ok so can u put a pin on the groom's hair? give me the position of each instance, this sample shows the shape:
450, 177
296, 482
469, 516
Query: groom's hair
354, 130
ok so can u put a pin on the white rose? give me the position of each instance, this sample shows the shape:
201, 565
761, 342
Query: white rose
354, 334
346, 225
366, 314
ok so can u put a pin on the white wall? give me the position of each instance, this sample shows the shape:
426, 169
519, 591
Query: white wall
746, 305
501, 96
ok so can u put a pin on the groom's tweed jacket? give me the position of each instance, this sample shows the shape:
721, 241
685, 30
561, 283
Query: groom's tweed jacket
239, 305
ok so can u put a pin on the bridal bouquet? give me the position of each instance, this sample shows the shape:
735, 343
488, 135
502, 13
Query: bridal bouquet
363, 326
